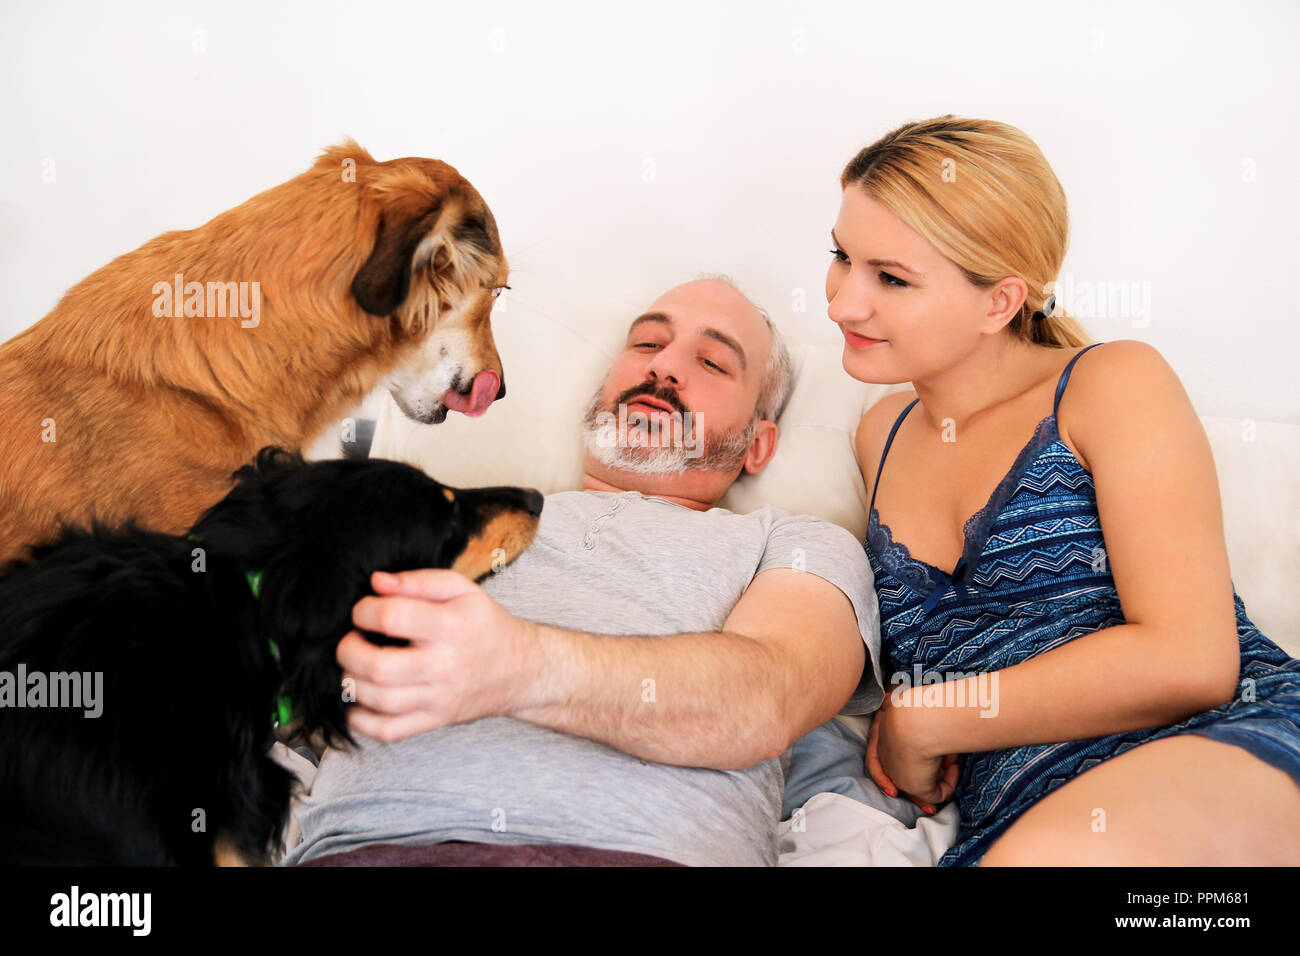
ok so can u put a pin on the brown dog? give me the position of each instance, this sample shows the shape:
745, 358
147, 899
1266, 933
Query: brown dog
157, 376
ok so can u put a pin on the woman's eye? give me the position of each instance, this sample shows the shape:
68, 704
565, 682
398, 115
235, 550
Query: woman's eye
840, 255
892, 281
642, 345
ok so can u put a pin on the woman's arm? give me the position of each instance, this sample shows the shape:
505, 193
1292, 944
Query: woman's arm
1158, 498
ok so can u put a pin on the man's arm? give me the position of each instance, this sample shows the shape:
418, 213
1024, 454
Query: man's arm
789, 655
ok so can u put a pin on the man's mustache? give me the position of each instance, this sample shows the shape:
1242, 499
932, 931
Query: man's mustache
648, 388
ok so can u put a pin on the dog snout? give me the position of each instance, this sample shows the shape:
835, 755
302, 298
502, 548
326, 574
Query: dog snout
501, 523
533, 502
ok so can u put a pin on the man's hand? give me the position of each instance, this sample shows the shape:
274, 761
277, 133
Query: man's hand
896, 760
786, 659
468, 657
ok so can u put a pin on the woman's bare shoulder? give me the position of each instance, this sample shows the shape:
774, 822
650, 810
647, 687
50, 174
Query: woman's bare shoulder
1107, 385
873, 428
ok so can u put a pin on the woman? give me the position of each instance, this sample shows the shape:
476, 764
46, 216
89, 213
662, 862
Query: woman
1113, 704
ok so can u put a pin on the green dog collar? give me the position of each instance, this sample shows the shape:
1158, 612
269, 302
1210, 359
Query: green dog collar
282, 715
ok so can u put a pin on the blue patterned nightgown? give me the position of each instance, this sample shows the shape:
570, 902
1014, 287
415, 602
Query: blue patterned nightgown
1027, 583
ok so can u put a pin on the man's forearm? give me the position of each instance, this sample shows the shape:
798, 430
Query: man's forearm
695, 700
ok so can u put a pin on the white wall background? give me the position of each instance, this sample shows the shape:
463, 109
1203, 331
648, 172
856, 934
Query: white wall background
1172, 128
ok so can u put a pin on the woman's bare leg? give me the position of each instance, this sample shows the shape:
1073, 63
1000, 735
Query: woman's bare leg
1179, 801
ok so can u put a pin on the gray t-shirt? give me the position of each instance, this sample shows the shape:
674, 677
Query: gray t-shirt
604, 563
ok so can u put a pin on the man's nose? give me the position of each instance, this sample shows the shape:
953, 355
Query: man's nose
664, 377
666, 366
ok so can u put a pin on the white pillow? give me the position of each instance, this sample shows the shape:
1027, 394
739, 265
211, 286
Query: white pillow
532, 437
555, 358
1257, 463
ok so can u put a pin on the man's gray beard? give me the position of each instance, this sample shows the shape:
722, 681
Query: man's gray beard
725, 452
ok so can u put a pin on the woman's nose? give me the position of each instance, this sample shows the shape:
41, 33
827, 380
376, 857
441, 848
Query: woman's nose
845, 302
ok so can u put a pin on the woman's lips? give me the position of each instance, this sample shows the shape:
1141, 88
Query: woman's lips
859, 341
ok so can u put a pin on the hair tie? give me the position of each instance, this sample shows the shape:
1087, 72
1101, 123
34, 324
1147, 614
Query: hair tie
1051, 304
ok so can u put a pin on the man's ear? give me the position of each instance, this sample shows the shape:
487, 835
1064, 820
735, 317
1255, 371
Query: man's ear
761, 448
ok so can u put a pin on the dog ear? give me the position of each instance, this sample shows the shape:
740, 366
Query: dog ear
454, 244
271, 460
249, 482
305, 607
247, 522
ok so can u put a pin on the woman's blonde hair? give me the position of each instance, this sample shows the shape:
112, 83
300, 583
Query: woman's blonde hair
984, 195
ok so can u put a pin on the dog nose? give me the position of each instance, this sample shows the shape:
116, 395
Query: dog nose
501, 392
533, 501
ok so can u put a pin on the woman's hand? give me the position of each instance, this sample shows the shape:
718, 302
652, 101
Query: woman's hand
896, 761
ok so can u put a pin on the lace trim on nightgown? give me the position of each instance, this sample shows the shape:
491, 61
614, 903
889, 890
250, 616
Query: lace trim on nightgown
917, 574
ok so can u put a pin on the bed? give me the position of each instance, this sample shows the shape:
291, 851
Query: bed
556, 343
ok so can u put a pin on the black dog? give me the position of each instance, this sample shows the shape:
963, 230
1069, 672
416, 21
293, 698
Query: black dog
196, 639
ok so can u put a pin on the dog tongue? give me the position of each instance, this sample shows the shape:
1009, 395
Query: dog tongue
481, 396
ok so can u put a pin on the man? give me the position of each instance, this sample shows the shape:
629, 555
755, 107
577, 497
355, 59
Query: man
628, 684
